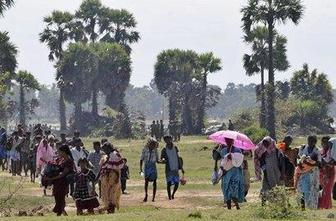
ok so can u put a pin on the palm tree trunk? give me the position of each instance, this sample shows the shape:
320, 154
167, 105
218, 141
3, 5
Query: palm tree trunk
22, 107
62, 110
94, 110
186, 113
78, 116
263, 101
271, 86
201, 113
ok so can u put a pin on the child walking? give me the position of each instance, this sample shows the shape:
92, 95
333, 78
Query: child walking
85, 195
124, 176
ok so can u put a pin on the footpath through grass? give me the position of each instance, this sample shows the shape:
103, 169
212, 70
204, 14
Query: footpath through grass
198, 200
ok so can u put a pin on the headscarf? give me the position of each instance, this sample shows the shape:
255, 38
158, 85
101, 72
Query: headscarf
261, 148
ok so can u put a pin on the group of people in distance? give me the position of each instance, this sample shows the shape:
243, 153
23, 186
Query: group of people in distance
66, 166
307, 170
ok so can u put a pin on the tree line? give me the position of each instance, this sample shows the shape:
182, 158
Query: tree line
91, 50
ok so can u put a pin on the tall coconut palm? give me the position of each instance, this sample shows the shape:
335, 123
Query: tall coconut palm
257, 61
271, 12
57, 33
5, 5
209, 64
26, 81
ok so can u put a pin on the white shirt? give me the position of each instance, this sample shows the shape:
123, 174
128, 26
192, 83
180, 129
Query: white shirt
77, 155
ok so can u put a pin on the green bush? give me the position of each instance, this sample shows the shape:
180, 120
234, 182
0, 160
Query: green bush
255, 133
278, 206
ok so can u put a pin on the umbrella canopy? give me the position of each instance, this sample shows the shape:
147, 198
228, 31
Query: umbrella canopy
240, 140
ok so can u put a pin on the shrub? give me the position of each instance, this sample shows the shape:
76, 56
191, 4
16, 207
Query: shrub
255, 133
278, 206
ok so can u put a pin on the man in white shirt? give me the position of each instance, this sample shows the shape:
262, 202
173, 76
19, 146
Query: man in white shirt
78, 152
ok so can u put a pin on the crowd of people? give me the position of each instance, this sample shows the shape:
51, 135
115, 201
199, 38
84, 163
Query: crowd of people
307, 170
67, 167
71, 170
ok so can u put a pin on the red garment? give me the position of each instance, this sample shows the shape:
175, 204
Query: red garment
327, 179
61, 188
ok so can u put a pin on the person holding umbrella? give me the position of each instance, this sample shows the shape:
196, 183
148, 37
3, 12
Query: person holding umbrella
232, 173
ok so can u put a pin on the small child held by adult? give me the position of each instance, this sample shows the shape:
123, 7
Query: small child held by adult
85, 195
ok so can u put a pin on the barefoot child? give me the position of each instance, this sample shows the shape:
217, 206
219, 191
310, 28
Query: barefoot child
85, 195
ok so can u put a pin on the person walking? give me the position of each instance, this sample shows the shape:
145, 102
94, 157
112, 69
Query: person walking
110, 178
95, 158
25, 152
269, 166
170, 156
124, 176
45, 154
309, 181
232, 174
85, 195
60, 181
327, 172
290, 157
148, 160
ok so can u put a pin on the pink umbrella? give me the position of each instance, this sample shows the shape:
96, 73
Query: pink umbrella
240, 140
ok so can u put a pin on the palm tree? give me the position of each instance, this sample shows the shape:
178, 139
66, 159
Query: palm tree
78, 68
8, 63
26, 81
209, 64
118, 26
114, 73
89, 14
5, 5
57, 33
174, 73
271, 12
256, 62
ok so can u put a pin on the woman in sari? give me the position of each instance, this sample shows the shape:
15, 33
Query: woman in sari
309, 182
60, 184
232, 180
45, 154
327, 172
110, 178
269, 163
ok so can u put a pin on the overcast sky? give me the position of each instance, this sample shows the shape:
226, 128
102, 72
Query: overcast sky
201, 25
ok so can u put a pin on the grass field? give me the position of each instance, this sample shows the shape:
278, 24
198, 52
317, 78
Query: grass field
199, 198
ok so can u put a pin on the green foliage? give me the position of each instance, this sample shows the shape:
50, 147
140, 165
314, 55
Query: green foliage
308, 85
78, 67
27, 80
58, 31
278, 206
270, 13
5, 5
255, 133
244, 119
235, 98
195, 215
114, 72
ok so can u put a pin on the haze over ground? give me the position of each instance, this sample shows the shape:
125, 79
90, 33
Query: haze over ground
201, 25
